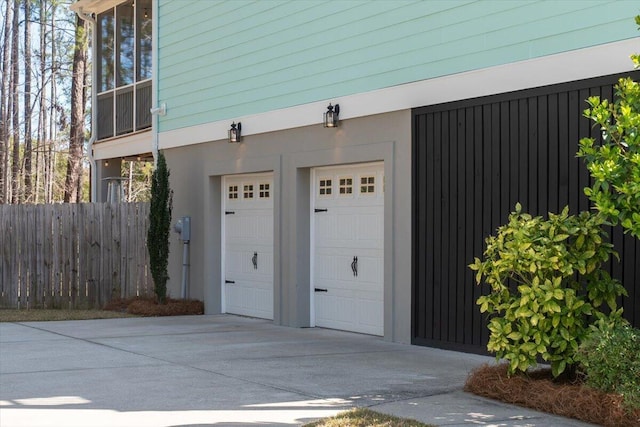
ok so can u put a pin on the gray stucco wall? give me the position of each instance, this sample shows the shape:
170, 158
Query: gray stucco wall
196, 174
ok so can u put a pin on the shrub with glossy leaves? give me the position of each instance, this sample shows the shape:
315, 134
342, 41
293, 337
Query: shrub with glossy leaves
610, 359
546, 285
614, 165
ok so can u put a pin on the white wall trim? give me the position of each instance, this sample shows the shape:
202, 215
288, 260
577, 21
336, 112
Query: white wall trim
132, 145
578, 64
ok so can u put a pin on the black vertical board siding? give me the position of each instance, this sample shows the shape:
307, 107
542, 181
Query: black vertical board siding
468, 231
543, 156
478, 235
437, 225
523, 163
553, 154
574, 167
563, 150
453, 223
505, 162
534, 152
631, 263
473, 160
461, 226
445, 196
515, 159
431, 226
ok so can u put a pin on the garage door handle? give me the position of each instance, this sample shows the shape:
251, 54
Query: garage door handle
229, 281
319, 290
354, 266
254, 260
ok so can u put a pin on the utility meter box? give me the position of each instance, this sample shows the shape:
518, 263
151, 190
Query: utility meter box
183, 226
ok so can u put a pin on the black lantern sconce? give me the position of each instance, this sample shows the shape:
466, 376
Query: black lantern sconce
235, 133
331, 116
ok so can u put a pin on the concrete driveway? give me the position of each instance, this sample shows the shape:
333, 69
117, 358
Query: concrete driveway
228, 370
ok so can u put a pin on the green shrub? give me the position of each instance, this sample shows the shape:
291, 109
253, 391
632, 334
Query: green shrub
557, 287
614, 164
160, 227
610, 359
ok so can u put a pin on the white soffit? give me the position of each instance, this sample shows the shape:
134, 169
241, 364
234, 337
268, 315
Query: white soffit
94, 6
126, 146
578, 64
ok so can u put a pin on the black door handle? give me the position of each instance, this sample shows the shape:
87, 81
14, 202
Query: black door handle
354, 266
254, 260
319, 290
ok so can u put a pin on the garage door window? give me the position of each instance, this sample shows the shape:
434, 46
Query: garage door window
324, 187
346, 186
367, 185
233, 192
248, 191
264, 192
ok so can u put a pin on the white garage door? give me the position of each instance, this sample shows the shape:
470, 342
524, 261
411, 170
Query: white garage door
248, 237
348, 248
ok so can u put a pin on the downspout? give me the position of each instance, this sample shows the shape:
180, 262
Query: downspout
94, 104
155, 112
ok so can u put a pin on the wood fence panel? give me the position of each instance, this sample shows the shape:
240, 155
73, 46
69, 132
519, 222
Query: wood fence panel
82, 265
72, 255
17, 249
47, 254
28, 251
15, 254
4, 277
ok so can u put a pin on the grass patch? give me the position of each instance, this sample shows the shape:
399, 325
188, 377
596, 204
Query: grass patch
129, 307
362, 417
42, 315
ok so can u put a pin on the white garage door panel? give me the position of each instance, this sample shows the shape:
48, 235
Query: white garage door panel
248, 263
352, 226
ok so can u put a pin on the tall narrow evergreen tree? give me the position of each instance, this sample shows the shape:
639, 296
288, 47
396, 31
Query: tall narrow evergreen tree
159, 227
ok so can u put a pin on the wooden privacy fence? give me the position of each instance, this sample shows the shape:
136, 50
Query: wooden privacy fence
73, 255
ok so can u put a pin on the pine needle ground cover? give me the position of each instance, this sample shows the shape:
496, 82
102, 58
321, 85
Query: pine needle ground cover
565, 396
150, 307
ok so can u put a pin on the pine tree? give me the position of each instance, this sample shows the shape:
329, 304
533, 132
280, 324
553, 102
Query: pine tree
159, 227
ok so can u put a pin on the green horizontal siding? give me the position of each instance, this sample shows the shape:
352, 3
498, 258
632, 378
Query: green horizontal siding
223, 59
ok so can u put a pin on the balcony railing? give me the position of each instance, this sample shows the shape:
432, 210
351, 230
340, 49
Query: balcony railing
124, 110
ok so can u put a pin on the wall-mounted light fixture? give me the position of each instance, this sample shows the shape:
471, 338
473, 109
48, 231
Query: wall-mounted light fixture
106, 163
235, 133
160, 111
331, 116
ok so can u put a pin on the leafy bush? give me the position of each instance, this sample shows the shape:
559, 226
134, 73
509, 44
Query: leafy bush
610, 359
553, 267
615, 164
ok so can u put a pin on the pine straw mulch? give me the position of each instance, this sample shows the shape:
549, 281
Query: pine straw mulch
564, 396
149, 307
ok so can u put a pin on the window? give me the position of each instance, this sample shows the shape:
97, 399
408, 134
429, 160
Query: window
324, 187
124, 69
367, 184
125, 39
264, 191
143, 41
233, 192
345, 186
106, 50
248, 191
